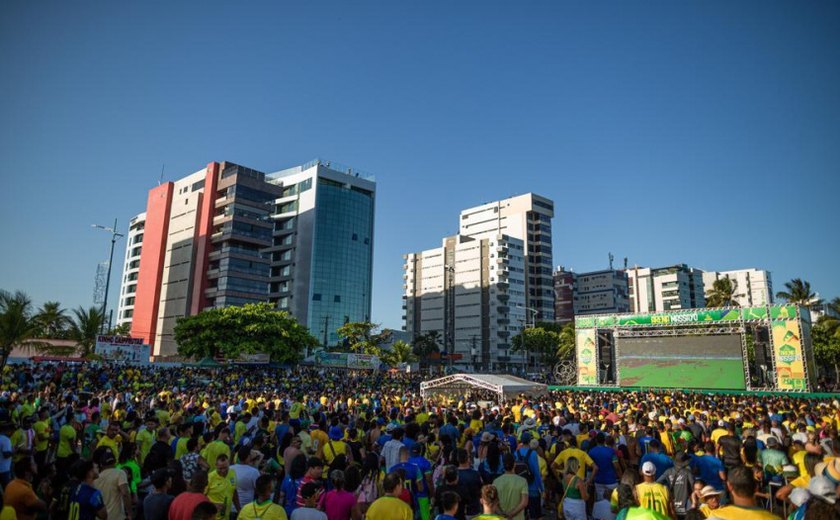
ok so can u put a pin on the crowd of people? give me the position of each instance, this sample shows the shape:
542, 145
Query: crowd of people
96, 441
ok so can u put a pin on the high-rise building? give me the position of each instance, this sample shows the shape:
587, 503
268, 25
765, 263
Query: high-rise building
564, 295
597, 292
471, 291
131, 267
301, 238
665, 288
528, 218
203, 247
322, 248
752, 286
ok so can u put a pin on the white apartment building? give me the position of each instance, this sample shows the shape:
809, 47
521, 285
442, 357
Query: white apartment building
665, 288
752, 286
472, 292
528, 218
131, 268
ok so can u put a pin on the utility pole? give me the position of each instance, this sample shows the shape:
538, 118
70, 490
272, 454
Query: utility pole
326, 327
114, 237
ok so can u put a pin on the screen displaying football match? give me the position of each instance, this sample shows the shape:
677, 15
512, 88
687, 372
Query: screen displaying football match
682, 362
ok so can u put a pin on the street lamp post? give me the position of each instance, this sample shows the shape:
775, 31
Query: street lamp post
114, 237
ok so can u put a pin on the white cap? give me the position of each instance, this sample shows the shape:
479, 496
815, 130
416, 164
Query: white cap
649, 469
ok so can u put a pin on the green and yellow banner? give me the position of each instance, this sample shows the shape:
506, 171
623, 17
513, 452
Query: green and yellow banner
587, 362
689, 317
787, 350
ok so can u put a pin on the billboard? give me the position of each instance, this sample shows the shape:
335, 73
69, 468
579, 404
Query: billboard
346, 360
586, 347
122, 349
787, 351
714, 362
689, 317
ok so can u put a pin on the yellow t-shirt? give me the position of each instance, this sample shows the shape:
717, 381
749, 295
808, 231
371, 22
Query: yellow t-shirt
653, 496
144, 439
181, 447
42, 435
114, 444
66, 441
8, 513
333, 449
733, 512
220, 490
267, 511
295, 410
389, 508
213, 450
574, 453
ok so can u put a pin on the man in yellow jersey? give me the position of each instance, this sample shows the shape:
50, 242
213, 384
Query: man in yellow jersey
146, 436
389, 506
652, 495
216, 448
67, 451
262, 508
742, 487
112, 440
570, 452
221, 487
336, 447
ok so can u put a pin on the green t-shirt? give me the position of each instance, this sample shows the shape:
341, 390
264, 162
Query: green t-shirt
639, 513
511, 488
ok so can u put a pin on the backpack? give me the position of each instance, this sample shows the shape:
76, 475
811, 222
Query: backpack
522, 468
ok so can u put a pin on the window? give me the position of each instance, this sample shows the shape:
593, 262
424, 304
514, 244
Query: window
355, 237
316, 297
337, 298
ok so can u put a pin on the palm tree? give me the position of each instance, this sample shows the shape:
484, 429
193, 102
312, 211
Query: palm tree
85, 328
16, 323
723, 294
52, 320
400, 353
799, 293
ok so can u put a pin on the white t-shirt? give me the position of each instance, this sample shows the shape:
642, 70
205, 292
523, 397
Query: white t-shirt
246, 482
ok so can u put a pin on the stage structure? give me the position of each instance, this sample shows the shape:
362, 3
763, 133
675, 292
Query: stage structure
750, 348
504, 387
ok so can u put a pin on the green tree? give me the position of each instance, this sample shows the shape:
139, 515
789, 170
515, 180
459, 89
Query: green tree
425, 345
17, 324
86, 325
539, 342
400, 352
364, 337
825, 338
566, 345
52, 320
123, 329
723, 293
798, 292
249, 329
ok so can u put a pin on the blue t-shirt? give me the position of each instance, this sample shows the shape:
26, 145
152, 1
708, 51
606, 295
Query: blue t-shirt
425, 467
535, 488
88, 499
412, 476
709, 469
643, 443
660, 460
604, 458
289, 488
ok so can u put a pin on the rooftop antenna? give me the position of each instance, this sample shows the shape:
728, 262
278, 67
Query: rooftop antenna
625, 263
160, 180
611, 261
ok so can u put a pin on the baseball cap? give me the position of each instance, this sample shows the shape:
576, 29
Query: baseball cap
649, 469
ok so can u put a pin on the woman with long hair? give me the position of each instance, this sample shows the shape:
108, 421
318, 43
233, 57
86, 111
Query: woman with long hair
370, 487
491, 467
575, 495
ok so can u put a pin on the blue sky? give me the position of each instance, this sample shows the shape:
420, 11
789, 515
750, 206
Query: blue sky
699, 132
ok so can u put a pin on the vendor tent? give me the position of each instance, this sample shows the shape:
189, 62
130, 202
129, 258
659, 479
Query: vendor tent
505, 387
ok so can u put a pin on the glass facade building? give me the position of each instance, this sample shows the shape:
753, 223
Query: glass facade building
322, 252
342, 260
